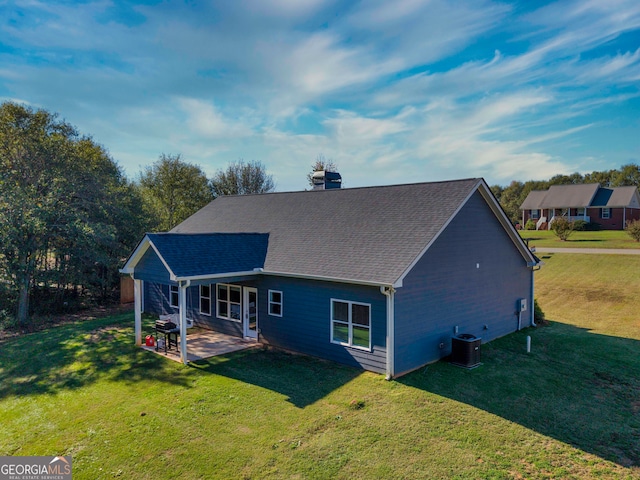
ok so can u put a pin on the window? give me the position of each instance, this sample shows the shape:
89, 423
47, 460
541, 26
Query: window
275, 303
351, 324
173, 296
606, 213
581, 212
535, 214
205, 299
228, 297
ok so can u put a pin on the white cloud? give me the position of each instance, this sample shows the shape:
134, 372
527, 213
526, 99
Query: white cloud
205, 119
378, 86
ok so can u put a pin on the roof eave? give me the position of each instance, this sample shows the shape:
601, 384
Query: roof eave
138, 253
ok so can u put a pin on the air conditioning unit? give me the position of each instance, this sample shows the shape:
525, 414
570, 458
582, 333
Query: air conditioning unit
465, 350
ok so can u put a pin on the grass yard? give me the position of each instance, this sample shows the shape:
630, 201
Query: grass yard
570, 409
602, 239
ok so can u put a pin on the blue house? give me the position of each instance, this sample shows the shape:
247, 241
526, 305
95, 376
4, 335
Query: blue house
380, 278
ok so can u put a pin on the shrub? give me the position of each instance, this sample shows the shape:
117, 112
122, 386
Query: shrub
562, 228
538, 314
580, 225
530, 225
633, 229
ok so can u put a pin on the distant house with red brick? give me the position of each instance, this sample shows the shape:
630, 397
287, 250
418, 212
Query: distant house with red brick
611, 208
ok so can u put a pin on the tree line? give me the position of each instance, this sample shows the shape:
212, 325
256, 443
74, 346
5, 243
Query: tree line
69, 216
512, 196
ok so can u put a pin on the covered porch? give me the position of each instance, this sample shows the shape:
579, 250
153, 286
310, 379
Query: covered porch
203, 344
192, 275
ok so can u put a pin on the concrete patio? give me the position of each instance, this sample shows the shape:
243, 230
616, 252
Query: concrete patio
203, 344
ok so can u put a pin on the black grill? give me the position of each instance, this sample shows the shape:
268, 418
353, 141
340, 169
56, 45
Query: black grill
169, 332
164, 326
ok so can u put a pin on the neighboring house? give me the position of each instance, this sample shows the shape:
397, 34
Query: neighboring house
380, 278
611, 208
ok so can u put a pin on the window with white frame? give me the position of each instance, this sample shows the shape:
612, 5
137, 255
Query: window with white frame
275, 303
581, 212
228, 301
535, 214
606, 213
205, 299
174, 298
351, 323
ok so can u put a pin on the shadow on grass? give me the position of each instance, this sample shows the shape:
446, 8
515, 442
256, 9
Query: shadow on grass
303, 380
575, 386
76, 355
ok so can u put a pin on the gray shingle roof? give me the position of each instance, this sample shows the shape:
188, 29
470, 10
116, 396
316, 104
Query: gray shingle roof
370, 234
533, 200
579, 196
190, 255
569, 196
615, 197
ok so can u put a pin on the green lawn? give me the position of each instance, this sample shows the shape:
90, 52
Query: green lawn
569, 409
602, 239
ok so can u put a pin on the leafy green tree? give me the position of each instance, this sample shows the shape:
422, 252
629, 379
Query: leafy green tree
511, 198
173, 190
573, 179
242, 178
627, 175
60, 209
603, 178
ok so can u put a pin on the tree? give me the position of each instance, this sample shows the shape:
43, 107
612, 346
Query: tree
511, 198
173, 190
562, 228
60, 209
627, 175
241, 178
573, 179
321, 164
603, 178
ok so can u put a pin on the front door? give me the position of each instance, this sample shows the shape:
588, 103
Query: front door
250, 307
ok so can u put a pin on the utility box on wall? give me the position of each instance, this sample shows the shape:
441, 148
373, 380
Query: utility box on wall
465, 350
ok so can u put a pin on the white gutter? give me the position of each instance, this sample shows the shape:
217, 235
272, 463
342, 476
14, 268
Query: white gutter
388, 292
196, 278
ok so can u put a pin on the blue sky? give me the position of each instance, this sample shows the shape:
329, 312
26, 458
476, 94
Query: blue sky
392, 91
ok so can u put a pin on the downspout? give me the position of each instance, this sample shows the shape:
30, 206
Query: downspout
533, 298
388, 292
183, 319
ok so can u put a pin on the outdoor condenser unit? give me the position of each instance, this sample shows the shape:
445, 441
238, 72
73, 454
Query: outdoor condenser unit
465, 350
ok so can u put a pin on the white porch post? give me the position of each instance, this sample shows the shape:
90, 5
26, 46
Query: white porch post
182, 304
137, 307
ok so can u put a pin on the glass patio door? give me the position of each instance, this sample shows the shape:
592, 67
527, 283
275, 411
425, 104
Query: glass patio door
250, 307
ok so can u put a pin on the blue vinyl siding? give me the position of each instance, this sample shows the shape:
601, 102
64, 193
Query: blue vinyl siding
446, 289
156, 299
305, 326
151, 269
